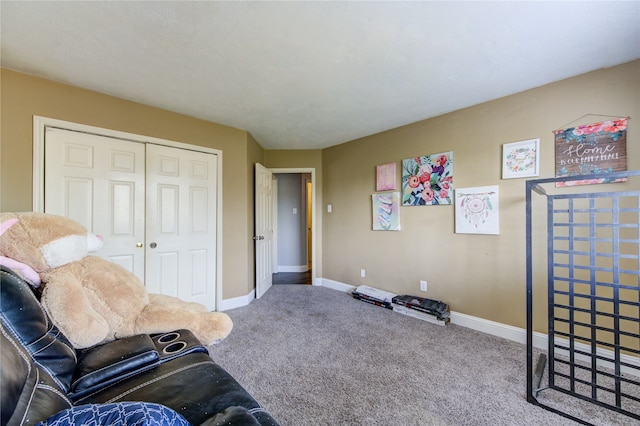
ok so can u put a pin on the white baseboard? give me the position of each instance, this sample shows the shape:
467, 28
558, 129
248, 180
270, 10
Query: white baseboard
505, 331
237, 302
606, 353
336, 285
294, 268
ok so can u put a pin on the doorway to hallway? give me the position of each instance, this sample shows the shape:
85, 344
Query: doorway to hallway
293, 216
293, 222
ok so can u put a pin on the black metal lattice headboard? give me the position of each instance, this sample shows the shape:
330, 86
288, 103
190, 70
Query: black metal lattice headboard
593, 299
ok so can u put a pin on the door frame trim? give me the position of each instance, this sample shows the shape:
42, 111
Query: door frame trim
314, 221
39, 128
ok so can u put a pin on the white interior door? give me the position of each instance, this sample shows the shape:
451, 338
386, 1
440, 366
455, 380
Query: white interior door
100, 183
263, 230
181, 223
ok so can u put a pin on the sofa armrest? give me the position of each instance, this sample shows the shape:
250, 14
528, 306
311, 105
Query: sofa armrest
192, 385
99, 366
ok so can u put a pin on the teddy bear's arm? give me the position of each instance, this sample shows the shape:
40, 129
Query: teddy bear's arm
66, 302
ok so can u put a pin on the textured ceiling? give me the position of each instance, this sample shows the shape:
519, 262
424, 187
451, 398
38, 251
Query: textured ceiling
315, 74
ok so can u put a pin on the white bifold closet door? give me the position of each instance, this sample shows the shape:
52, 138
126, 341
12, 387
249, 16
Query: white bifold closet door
154, 205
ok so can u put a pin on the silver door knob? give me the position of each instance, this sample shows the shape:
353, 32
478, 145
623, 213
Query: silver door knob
153, 245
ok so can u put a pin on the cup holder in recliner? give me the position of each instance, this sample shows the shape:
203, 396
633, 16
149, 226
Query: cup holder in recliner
174, 347
168, 338
176, 344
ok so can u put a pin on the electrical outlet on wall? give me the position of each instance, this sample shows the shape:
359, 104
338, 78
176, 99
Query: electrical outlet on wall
362, 273
423, 285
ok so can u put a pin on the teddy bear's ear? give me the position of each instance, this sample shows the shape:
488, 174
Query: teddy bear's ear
21, 268
15, 243
7, 224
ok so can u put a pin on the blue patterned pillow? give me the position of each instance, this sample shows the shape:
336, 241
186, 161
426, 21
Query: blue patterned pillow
117, 414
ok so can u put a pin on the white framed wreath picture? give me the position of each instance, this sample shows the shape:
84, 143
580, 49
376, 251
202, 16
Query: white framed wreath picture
521, 159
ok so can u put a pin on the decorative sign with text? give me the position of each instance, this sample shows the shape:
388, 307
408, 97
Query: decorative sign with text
591, 149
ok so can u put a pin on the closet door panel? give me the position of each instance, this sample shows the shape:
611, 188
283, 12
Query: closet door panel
99, 182
181, 218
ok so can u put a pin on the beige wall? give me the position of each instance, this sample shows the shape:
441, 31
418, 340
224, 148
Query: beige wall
479, 275
24, 96
304, 158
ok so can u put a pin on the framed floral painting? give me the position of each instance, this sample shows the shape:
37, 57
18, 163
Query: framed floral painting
521, 159
427, 180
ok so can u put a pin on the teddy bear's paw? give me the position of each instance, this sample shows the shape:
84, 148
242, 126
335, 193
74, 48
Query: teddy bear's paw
214, 327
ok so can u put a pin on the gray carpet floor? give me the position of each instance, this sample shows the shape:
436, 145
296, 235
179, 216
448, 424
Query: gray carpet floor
316, 356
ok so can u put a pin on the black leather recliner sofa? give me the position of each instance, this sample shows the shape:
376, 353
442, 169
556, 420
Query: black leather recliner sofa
43, 375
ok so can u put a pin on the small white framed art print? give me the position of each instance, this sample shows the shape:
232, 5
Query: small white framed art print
521, 159
478, 210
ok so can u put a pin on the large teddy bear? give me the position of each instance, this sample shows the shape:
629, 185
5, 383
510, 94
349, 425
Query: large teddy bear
90, 299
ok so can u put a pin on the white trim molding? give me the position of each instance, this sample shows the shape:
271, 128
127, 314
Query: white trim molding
237, 302
336, 285
505, 331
